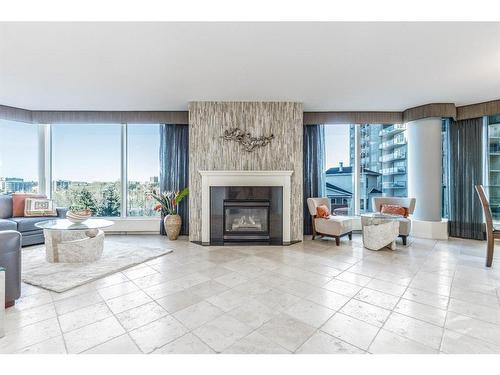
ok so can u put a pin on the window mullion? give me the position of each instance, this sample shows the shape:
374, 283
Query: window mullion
124, 177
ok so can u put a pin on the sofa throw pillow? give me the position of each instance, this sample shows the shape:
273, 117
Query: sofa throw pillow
394, 209
322, 211
19, 201
39, 207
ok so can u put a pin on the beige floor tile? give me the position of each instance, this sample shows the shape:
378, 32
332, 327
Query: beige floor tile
371, 314
310, 313
327, 298
322, 343
54, 345
141, 315
158, 333
351, 330
77, 302
187, 344
178, 301
353, 278
387, 342
374, 297
15, 319
87, 288
487, 300
92, 335
117, 290
255, 343
120, 345
198, 314
286, 331
222, 332
420, 311
277, 300
207, 289
414, 329
128, 301
252, 313
29, 335
473, 327
458, 343
427, 298
33, 300
231, 279
488, 314
386, 287
342, 287
84, 316
138, 271
228, 300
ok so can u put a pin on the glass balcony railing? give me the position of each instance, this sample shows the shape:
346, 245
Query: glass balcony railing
396, 128
394, 185
397, 141
392, 156
394, 170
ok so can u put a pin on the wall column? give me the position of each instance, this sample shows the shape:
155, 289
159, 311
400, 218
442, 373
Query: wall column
425, 177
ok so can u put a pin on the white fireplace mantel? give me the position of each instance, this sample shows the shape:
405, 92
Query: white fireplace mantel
244, 178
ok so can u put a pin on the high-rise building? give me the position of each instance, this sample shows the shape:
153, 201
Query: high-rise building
384, 150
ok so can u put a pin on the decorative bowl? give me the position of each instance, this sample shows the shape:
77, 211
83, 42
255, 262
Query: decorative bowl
78, 216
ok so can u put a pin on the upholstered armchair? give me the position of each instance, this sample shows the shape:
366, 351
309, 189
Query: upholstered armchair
10, 260
335, 226
409, 203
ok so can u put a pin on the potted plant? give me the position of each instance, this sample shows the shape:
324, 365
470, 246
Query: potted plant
167, 205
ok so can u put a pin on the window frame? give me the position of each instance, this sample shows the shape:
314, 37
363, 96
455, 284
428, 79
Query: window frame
45, 167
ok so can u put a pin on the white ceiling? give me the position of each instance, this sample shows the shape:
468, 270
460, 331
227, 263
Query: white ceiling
327, 66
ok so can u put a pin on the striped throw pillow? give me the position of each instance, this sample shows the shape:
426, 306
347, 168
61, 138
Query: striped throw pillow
39, 207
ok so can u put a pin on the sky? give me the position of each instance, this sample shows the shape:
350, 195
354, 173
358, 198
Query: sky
337, 145
80, 152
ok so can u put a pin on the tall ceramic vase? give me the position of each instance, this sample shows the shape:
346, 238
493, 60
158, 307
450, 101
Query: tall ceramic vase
172, 224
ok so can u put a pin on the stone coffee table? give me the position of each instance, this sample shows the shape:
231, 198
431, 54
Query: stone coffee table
380, 230
67, 242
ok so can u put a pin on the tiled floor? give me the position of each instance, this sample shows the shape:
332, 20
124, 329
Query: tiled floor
312, 297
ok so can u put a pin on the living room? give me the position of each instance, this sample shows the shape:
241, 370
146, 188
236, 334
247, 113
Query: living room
249, 188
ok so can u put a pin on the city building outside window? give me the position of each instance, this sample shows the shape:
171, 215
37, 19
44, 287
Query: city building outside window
382, 164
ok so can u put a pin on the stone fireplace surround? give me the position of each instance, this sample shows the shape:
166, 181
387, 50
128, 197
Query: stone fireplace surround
244, 178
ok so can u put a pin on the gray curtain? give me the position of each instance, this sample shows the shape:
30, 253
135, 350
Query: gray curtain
465, 161
174, 166
314, 168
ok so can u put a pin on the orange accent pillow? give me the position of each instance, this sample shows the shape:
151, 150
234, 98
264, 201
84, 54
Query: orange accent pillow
322, 211
394, 209
19, 201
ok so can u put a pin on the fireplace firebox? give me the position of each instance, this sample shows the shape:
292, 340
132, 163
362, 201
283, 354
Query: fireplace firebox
246, 214
246, 219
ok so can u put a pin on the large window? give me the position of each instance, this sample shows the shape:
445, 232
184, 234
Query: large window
18, 157
494, 165
339, 147
378, 150
143, 144
86, 167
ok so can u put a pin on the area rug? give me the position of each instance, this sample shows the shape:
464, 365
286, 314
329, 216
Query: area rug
60, 277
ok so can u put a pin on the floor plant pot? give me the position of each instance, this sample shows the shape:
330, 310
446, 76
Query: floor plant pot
172, 224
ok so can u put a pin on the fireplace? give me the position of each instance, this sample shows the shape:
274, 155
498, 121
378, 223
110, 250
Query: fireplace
246, 214
246, 220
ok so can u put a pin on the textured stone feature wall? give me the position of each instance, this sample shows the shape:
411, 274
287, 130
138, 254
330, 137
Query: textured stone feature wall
208, 151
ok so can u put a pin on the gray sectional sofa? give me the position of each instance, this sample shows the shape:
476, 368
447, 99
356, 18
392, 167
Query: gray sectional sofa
31, 235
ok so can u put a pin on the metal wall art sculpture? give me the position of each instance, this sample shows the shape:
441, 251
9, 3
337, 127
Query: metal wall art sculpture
245, 139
